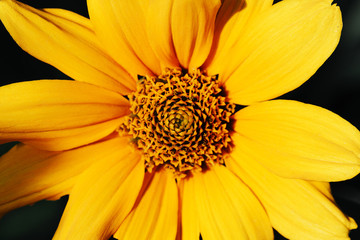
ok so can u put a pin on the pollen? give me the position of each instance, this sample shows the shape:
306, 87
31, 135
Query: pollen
180, 121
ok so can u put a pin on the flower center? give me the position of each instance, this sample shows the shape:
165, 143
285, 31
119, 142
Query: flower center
180, 121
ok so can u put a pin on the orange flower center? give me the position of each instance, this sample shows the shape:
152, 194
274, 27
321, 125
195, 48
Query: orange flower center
180, 121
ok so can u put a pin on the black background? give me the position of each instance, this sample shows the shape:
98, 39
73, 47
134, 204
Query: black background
336, 86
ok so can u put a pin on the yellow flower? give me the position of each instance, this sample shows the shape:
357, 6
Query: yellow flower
150, 141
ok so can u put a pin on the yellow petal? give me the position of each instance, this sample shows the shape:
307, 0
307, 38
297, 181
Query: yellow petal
298, 209
280, 49
158, 27
28, 175
68, 112
156, 213
192, 26
190, 219
59, 140
103, 196
121, 26
226, 208
297, 140
66, 41
232, 20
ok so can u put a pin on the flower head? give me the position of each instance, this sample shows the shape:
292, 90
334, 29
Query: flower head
168, 130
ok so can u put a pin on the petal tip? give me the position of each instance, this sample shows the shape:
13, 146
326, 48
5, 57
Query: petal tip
352, 224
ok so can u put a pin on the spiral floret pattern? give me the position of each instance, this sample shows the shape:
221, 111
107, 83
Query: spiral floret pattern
180, 121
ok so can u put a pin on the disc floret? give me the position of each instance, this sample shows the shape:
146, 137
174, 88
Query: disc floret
180, 121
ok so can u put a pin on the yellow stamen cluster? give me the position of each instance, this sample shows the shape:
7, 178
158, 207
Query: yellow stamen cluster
180, 121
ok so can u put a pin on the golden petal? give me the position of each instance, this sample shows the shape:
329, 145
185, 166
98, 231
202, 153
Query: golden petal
192, 26
121, 27
232, 20
225, 207
103, 196
298, 209
297, 140
65, 40
280, 49
156, 213
158, 27
28, 175
69, 112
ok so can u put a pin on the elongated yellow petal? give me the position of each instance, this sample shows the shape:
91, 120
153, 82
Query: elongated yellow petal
158, 27
121, 26
297, 140
231, 22
190, 219
103, 196
68, 112
298, 209
156, 214
28, 175
59, 140
226, 208
66, 41
280, 49
192, 26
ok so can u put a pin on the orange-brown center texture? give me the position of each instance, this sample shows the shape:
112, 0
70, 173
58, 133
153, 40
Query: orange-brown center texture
180, 121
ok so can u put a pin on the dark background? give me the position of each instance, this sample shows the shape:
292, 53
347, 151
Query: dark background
336, 86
